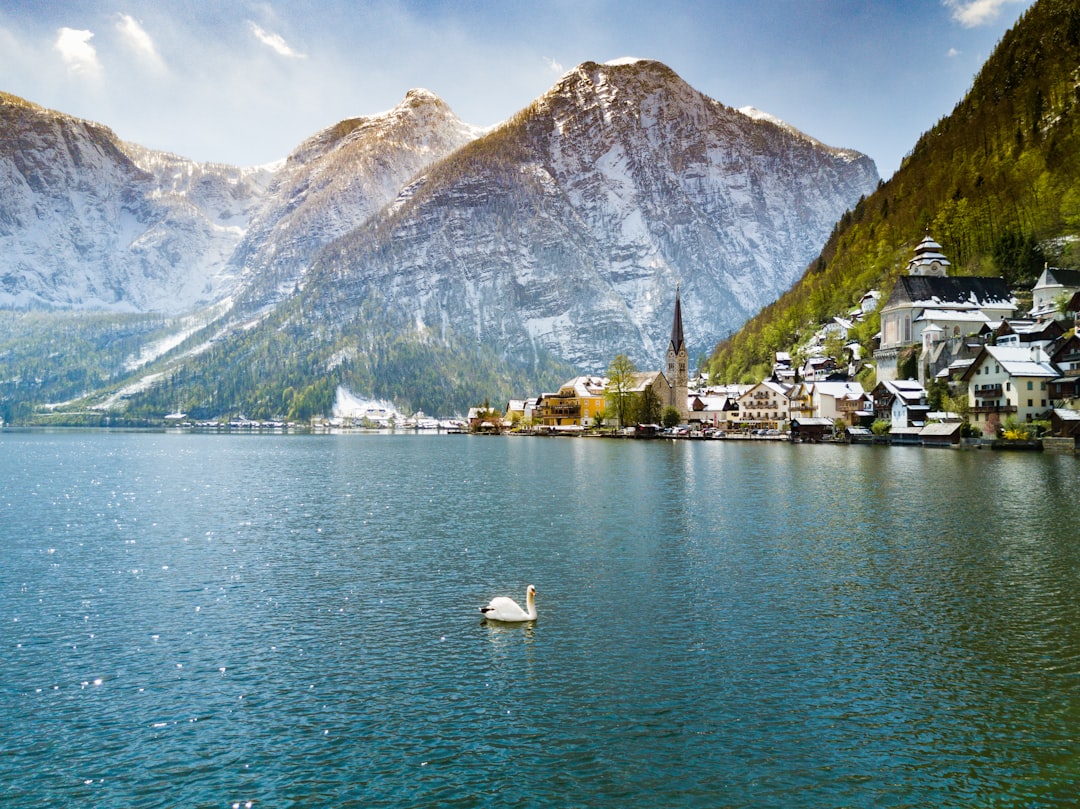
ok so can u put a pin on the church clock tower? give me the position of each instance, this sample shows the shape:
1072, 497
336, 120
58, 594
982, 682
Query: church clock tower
677, 362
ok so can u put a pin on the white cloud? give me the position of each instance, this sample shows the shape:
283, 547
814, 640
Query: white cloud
952, 53
275, 42
554, 66
973, 13
135, 36
77, 52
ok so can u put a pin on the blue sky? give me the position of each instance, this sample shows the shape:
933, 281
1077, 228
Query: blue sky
245, 82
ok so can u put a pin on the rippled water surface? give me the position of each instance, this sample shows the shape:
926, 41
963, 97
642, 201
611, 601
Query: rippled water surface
195, 620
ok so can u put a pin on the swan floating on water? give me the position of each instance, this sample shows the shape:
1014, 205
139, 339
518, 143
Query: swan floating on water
506, 609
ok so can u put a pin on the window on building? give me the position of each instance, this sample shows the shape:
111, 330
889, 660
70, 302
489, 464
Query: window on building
1030, 404
1031, 385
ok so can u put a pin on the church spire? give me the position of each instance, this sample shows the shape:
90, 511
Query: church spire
676, 324
677, 363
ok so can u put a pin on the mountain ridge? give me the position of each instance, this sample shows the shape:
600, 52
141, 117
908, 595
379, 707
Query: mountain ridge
83, 225
600, 165
550, 242
335, 180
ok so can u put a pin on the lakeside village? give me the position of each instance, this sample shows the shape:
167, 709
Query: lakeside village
954, 363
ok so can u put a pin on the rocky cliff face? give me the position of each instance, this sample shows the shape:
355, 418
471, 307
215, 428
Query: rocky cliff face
89, 222
568, 227
334, 182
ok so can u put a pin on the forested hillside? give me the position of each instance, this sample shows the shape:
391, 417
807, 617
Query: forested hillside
289, 365
61, 356
997, 183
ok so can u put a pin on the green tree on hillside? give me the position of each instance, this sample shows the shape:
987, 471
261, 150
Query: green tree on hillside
1018, 258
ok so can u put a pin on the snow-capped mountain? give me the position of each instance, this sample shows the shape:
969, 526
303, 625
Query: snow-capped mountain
568, 227
90, 222
558, 236
335, 181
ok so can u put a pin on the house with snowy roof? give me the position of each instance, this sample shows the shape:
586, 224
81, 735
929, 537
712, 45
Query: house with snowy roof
840, 400
1053, 291
1011, 380
714, 409
1043, 332
1065, 354
576, 404
869, 302
1066, 423
782, 370
928, 297
800, 400
902, 402
818, 368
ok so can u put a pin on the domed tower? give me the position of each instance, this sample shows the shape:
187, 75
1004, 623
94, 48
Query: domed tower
677, 363
928, 261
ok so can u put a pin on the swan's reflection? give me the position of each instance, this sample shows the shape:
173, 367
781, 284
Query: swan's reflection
500, 633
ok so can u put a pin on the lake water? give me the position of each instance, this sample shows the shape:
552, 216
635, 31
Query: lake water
215, 621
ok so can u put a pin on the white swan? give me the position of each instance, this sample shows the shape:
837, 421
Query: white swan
506, 609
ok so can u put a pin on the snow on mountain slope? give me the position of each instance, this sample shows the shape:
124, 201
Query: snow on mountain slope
562, 232
336, 180
87, 221
568, 227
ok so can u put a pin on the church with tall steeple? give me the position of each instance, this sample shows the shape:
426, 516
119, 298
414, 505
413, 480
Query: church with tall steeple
677, 372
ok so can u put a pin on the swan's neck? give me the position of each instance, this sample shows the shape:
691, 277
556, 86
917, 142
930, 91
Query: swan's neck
530, 604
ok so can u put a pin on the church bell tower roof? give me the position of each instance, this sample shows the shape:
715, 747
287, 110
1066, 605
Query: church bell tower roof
676, 325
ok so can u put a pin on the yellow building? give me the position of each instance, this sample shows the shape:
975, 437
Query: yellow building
577, 403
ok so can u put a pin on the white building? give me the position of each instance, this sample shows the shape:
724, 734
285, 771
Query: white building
764, 405
1008, 381
928, 297
839, 400
1054, 285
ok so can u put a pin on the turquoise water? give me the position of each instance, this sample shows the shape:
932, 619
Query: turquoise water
193, 620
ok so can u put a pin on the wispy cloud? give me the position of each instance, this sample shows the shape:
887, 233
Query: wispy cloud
136, 38
974, 13
275, 42
952, 53
78, 54
554, 66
